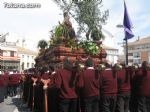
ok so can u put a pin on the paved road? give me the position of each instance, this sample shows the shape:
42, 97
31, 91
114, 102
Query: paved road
12, 104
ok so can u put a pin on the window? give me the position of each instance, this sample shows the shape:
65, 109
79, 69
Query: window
147, 46
4, 53
28, 57
22, 65
32, 65
27, 65
12, 53
136, 55
149, 57
1, 52
130, 60
15, 53
130, 54
137, 61
139, 47
130, 48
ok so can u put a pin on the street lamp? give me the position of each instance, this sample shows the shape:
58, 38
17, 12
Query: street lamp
127, 25
126, 43
119, 26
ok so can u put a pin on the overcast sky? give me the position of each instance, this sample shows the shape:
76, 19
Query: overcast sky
35, 24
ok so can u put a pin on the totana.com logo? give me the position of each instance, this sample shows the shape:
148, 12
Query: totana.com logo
22, 5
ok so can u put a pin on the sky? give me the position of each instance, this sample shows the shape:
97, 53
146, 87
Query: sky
35, 24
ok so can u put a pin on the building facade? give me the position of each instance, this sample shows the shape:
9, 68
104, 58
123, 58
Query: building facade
139, 51
26, 58
112, 54
15, 58
9, 58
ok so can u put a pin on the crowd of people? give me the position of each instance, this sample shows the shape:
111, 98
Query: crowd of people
8, 85
88, 88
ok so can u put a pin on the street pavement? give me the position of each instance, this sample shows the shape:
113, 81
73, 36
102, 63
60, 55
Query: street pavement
13, 104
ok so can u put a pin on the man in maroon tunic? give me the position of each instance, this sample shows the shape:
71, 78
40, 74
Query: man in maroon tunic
64, 82
108, 89
89, 81
2, 86
6, 81
14, 80
124, 88
144, 89
134, 87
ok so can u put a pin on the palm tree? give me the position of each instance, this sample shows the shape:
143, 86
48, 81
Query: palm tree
42, 44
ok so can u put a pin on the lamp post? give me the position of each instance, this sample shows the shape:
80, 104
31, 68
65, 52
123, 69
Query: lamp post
126, 44
126, 51
127, 25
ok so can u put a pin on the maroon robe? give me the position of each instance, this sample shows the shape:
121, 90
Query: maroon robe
62, 81
124, 85
109, 83
145, 85
89, 82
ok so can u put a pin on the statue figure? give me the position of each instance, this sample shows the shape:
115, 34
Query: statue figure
68, 24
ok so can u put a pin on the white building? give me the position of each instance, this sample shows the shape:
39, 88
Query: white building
9, 58
15, 52
26, 58
139, 51
112, 54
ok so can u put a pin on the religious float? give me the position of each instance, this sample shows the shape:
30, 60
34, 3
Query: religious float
64, 43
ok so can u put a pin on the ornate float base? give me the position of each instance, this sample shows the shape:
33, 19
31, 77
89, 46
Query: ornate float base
59, 53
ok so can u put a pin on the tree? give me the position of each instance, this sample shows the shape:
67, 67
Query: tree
88, 15
42, 44
91, 18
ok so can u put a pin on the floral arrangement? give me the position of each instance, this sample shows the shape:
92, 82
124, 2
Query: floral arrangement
61, 30
89, 47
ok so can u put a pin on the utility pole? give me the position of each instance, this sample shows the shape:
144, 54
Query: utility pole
125, 44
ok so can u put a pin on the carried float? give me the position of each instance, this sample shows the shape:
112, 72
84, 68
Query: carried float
64, 43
